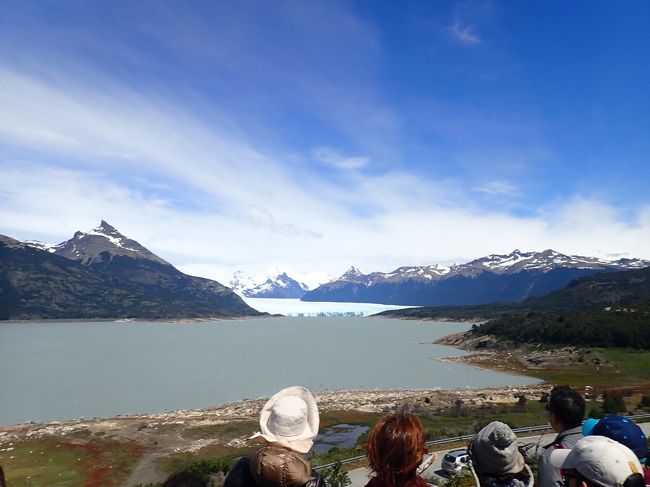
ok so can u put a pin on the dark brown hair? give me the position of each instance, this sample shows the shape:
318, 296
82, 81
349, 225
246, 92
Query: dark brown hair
395, 449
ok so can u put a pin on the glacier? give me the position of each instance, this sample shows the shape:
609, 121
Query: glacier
301, 309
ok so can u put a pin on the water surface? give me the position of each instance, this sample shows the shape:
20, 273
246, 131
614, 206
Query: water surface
60, 371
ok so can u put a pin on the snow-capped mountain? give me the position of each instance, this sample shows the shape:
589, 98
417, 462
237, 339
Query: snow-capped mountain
103, 274
545, 261
87, 247
48, 247
274, 286
495, 278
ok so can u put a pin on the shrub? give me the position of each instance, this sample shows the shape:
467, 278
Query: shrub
645, 401
595, 413
613, 403
335, 476
462, 479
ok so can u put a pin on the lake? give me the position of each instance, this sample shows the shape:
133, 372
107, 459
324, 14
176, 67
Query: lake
61, 371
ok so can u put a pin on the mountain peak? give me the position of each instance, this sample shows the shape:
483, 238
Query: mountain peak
276, 285
105, 227
89, 247
352, 272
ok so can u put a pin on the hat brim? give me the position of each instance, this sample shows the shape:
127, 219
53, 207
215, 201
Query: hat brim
519, 465
560, 459
588, 426
302, 442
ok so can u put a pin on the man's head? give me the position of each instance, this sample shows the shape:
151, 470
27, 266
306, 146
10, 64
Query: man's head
597, 461
566, 408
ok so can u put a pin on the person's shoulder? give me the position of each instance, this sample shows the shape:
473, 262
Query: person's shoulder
571, 436
239, 475
273, 466
373, 482
316, 480
646, 475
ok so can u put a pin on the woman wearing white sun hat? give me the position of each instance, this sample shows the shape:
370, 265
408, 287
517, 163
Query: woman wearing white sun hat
288, 422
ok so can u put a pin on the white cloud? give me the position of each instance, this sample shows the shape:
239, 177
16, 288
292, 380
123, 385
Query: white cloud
333, 158
497, 188
465, 34
52, 204
212, 202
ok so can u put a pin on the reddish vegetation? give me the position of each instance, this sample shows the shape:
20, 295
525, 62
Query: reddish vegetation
99, 461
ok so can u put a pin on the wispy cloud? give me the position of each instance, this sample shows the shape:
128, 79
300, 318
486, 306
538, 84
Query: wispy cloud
234, 206
465, 34
494, 188
334, 158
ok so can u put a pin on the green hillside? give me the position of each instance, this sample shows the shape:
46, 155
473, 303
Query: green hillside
615, 289
606, 310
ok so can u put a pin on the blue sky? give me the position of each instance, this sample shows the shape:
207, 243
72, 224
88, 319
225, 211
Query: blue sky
243, 135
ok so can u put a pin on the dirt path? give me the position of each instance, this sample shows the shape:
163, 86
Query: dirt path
146, 471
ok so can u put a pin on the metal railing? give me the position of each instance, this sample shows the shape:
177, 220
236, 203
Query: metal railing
443, 441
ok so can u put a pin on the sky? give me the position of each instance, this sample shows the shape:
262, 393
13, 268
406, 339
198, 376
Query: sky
312, 136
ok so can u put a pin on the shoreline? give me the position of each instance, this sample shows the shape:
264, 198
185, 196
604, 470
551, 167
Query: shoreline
171, 321
367, 401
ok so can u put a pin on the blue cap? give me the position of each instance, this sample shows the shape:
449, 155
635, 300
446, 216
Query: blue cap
623, 430
588, 425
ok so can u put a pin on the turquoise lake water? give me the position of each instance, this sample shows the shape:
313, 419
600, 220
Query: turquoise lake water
60, 371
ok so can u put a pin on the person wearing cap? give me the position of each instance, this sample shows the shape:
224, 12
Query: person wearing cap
289, 423
597, 461
566, 409
496, 460
626, 432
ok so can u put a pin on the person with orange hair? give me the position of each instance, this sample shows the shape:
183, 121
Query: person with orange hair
395, 449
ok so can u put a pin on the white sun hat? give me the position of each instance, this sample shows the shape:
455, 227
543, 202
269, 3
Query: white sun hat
601, 460
290, 419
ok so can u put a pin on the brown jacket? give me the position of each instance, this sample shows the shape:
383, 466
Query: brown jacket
273, 466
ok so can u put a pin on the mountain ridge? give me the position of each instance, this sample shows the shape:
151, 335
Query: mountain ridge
103, 274
495, 278
605, 291
278, 285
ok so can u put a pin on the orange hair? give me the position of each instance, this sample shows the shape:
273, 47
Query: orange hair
395, 449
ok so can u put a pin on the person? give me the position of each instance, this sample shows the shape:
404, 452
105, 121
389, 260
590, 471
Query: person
597, 461
626, 432
566, 409
395, 449
185, 479
496, 460
289, 423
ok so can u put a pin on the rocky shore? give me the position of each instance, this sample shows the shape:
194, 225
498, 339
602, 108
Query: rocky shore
374, 401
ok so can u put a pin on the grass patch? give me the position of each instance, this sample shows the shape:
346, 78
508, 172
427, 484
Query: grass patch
618, 367
630, 366
184, 460
53, 462
228, 431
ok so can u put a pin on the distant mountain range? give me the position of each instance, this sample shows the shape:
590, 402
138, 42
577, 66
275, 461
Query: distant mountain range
103, 274
601, 292
274, 286
493, 279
